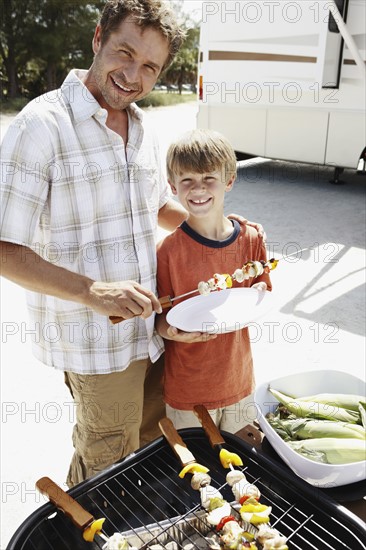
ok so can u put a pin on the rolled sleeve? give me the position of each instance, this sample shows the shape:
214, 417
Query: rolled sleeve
24, 183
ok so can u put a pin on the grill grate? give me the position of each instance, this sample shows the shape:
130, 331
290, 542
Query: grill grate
144, 498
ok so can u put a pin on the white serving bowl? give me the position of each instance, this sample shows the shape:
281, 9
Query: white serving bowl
310, 383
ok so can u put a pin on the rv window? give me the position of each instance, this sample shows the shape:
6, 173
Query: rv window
332, 24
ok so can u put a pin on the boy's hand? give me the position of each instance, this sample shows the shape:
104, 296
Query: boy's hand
244, 221
188, 337
261, 286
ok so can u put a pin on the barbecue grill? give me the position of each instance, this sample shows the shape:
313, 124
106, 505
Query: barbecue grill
143, 497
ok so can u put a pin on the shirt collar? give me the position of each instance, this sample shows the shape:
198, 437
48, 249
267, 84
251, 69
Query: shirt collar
82, 103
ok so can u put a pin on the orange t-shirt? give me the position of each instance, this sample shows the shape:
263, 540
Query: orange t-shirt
219, 372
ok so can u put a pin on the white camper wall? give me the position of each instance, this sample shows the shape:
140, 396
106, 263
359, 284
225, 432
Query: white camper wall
264, 65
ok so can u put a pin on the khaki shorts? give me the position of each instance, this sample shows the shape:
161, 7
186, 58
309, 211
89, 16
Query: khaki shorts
110, 411
230, 419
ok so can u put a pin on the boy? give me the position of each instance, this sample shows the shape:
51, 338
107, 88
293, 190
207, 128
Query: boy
209, 369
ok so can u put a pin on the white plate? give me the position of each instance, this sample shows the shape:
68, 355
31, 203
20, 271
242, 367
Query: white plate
221, 311
310, 383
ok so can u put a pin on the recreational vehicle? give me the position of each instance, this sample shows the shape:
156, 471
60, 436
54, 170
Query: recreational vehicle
286, 79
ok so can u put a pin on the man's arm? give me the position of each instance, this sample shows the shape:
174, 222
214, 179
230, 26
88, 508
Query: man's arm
126, 299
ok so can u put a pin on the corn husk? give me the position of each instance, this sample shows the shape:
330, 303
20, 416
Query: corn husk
362, 409
344, 400
312, 409
331, 450
307, 428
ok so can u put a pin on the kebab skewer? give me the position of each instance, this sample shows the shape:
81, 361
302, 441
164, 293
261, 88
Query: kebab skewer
219, 281
219, 512
245, 493
82, 519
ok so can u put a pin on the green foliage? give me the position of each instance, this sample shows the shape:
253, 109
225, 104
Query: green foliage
12, 106
183, 70
41, 40
162, 99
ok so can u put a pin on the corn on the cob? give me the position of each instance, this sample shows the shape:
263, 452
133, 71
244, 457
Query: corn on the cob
344, 400
331, 450
306, 428
312, 409
362, 409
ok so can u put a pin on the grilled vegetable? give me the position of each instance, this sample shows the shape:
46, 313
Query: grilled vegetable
224, 520
312, 409
244, 488
227, 459
344, 400
209, 493
200, 480
330, 450
216, 502
307, 428
93, 529
234, 476
215, 516
254, 512
270, 538
116, 542
193, 468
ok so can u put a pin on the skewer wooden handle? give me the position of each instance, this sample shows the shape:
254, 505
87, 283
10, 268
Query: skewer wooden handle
176, 442
212, 431
165, 302
64, 502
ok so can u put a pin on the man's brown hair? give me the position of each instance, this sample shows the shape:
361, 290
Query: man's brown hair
145, 13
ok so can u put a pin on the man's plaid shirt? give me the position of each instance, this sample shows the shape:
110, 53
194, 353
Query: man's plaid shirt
75, 195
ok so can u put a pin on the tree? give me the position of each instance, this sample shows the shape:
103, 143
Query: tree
184, 67
41, 40
11, 45
61, 36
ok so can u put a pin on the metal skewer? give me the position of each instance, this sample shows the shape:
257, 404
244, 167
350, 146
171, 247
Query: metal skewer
166, 301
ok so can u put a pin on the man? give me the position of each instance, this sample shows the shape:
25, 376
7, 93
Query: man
82, 195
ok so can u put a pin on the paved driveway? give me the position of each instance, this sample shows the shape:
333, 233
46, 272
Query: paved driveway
318, 322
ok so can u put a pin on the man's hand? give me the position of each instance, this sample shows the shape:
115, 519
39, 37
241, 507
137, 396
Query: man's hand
244, 221
125, 299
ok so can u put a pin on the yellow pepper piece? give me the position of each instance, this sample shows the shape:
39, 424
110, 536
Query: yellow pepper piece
93, 529
253, 508
228, 280
256, 520
227, 458
193, 469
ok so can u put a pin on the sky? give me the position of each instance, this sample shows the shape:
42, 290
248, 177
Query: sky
194, 8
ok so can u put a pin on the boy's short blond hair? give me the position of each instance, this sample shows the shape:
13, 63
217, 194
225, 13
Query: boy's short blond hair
201, 151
